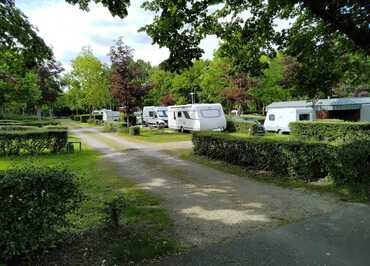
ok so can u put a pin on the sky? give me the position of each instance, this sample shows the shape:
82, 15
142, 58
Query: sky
67, 29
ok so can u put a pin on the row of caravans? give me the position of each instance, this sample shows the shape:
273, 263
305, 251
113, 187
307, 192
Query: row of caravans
280, 114
190, 117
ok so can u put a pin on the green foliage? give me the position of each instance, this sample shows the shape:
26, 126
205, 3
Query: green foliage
329, 130
34, 204
88, 82
134, 131
237, 125
298, 159
114, 209
32, 141
110, 127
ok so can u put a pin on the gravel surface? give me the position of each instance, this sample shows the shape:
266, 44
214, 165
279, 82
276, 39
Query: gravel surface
206, 205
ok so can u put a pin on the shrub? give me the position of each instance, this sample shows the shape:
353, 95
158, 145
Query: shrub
297, 159
351, 164
235, 125
17, 128
329, 130
109, 127
84, 118
134, 131
32, 141
132, 118
113, 210
34, 202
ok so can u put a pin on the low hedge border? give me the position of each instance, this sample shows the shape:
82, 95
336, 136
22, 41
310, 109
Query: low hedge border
32, 141
329, 130
306, 160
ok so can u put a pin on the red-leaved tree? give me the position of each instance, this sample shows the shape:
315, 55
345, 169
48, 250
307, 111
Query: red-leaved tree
126, 84
167, 100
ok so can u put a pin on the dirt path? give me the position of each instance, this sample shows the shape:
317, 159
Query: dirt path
207, 206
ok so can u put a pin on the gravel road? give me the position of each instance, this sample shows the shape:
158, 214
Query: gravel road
206, 205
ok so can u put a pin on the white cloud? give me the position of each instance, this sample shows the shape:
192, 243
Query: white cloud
67, 29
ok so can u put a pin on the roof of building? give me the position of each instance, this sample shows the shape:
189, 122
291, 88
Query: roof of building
321, 102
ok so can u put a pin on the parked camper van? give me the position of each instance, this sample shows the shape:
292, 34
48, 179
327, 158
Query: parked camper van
155, 115
108, 115
196, 117
280, 114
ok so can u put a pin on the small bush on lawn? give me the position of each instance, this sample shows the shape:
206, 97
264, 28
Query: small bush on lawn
329, 130
109, 127
34, 203
84, 118
32, 141
345, 162
233, 125
134, 131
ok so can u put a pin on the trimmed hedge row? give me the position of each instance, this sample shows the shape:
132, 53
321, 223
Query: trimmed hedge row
32, 141
34, 203
329, 130
85, 117
306, 160
40, 123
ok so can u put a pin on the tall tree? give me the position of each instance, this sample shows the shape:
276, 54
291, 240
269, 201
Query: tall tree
126, 84
91, 76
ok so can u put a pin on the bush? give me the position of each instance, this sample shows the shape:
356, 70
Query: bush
32, 141
134, 131
132, 118
84, 118
109, 127
40, 123
329, 130
345, 162
34, 203
113, 210
235, 125
283, 157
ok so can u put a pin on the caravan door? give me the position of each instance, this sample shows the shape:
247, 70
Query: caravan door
180, 120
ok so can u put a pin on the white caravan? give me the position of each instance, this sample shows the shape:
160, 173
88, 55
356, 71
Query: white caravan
155, 115
280, 114
108, 115
196, 117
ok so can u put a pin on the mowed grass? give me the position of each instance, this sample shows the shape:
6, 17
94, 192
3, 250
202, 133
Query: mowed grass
156, 135
359, 193
147, 229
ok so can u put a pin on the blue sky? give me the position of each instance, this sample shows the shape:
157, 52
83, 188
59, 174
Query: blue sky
67, 29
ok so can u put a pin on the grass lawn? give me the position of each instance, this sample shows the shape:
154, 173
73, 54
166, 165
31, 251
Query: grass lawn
359, 193
158, 135
146, 230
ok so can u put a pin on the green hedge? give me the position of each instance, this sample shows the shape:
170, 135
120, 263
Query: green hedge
34, 203
40, 123
307, 160
32, 141
233, 125
329, 130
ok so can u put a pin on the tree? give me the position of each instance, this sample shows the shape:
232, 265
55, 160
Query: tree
233, 96
91, 76
126, 84
167, 100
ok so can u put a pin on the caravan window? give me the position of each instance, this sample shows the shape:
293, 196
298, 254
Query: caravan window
304, 117
186, 114
151, 113
179, 114
210, 113
272, 117
174, 115
162, 113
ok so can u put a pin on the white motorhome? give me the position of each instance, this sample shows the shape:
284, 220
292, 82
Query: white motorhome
196, 117
155, 115
280, 114
108, 115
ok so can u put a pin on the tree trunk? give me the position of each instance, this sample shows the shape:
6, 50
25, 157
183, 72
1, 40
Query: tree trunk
128, 119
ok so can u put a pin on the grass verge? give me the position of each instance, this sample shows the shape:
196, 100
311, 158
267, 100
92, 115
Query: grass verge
359, 193
146, 230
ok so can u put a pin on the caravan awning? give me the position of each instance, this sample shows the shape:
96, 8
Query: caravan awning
337, 107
